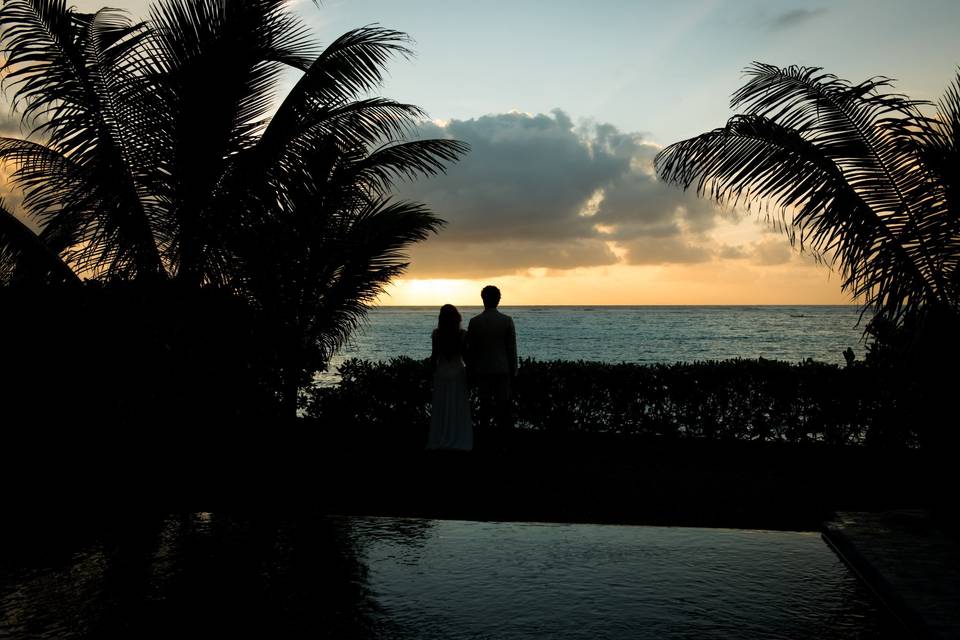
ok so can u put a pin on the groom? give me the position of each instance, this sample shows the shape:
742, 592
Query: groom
492, 342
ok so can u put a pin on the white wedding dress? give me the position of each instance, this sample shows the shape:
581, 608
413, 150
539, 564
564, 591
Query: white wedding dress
450, 423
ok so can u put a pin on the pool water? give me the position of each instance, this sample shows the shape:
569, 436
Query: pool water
218, 575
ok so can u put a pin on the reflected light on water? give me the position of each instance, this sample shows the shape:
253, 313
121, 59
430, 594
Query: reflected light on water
220, 575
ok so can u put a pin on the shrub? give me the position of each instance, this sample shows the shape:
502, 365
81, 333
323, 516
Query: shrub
756, 400
130, 354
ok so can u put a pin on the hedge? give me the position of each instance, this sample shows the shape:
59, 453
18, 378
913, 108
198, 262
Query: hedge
756, 400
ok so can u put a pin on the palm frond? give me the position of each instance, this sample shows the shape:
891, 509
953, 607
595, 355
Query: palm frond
66, 69
939, 145
153, 153
58, 198
216, 63
756, 160
406, 161
348, 68
842, 164
363, 123
44, 60
25, 256
355, 267
860, 129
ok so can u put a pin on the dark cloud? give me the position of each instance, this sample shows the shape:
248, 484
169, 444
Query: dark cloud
537, 191
526, 177
795, 17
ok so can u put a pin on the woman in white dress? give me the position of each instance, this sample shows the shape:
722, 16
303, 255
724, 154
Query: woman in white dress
450, 423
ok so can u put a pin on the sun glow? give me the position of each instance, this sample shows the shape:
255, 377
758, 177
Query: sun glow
433, 292
716, 282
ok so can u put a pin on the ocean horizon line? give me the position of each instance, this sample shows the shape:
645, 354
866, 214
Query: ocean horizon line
635, 333
618, 306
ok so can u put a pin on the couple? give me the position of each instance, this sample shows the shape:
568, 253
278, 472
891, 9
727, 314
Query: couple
489, 349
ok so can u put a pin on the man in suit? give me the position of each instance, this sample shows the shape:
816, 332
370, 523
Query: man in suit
492, 345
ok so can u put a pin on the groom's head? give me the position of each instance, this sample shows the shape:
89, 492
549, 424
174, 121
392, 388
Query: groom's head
491, 296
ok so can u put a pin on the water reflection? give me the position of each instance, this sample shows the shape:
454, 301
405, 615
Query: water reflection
190, 574
522, 580
222, 575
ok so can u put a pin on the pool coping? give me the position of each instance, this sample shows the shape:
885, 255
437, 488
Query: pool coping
886, 552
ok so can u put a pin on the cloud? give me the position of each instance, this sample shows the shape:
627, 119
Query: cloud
647, 250
772, 251
732, 252
473, 260
795, 17
9, 123
538, 191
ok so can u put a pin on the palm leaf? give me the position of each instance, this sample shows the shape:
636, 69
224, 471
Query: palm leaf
214, 68
370, 250
380, 170
755, 159
860, 129
841, 164
65, 69
155, 153
352, 65
25, 256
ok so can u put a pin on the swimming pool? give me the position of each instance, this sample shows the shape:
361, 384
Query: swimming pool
218, 575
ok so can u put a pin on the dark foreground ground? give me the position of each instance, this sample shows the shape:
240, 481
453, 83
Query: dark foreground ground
524, 476
591, 478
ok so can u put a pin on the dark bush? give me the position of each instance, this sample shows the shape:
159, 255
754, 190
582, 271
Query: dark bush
131, 354
758, 400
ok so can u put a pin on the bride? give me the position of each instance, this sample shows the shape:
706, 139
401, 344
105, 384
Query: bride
450, 422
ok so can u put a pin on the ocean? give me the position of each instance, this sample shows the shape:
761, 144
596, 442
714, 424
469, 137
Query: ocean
641, 334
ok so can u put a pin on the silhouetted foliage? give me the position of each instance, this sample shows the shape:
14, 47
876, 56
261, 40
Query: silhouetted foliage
130, 354
859, 176
757, 400
155, 154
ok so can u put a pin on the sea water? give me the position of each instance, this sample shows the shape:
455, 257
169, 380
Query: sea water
641, 334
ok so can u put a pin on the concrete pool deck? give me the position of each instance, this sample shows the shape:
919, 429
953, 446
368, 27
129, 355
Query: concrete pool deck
909, 561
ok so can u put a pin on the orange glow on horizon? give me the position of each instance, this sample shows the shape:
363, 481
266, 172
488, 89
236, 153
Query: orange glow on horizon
713, 283
764, 269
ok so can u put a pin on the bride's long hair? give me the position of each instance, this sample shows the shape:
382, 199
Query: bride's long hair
448, 331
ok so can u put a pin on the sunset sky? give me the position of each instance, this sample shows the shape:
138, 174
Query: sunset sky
565, 104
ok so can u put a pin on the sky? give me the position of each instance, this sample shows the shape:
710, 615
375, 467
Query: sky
565, 104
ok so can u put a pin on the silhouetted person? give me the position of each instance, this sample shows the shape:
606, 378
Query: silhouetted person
450, 422
492, 343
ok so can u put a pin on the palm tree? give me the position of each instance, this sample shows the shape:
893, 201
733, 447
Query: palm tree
154, 153
857, 175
